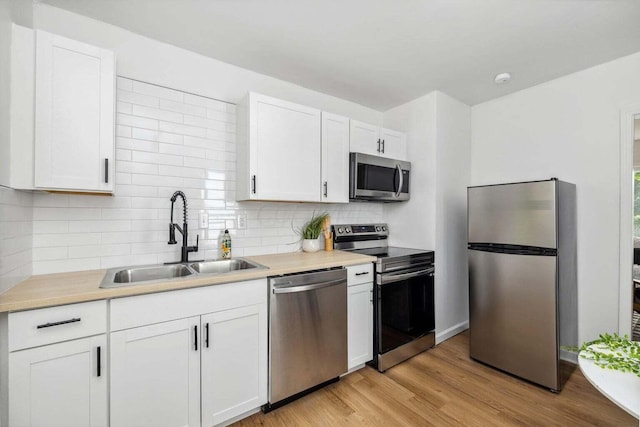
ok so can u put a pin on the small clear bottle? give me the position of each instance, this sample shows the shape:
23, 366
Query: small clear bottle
226, 245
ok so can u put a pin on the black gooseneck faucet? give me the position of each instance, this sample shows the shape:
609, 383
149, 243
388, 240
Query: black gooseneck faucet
184, 256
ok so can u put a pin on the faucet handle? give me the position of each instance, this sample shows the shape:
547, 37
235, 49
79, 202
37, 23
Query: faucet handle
194, 248
172, 234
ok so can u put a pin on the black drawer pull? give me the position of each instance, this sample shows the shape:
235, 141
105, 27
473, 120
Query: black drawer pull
99, 362
62, 322
362, 274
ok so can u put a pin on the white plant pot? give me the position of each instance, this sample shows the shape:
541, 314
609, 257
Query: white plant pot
311, 245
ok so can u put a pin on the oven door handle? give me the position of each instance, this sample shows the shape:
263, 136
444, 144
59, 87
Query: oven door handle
305, 288
404, 276
401, 183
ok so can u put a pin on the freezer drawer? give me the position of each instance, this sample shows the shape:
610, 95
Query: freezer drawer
513, 314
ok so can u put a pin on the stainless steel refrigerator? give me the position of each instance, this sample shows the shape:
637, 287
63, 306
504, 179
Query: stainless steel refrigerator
522, 278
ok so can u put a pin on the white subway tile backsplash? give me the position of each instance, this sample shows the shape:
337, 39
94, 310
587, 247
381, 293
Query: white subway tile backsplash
49, 214
181, 150
135, 121
65, 239
183, 108
181, 171
202, 101
133, 167
156, 113
123, 131
137, 144
137, 98
166, 141
183, 129
205, 123
160, 159
123, 83
157, 91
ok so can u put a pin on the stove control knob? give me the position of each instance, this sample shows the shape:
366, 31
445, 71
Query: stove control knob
347, 230
340, 230
378, 228
384, 228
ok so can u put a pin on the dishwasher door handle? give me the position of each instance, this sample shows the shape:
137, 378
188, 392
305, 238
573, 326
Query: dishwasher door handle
306, 288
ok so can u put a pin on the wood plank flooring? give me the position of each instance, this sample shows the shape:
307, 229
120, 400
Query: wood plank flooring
444, 387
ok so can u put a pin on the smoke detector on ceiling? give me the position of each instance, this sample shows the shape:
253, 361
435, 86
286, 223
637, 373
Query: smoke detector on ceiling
502, 78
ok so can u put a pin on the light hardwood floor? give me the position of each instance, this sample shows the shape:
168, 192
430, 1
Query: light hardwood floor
444, 387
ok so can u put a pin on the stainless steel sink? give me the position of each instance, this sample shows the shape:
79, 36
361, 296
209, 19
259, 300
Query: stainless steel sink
143, 274
224, 266
147, 274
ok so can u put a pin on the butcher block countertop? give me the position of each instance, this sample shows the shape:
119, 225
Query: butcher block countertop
81, 286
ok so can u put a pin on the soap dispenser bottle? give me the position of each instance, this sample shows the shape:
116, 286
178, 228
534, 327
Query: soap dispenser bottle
226, 245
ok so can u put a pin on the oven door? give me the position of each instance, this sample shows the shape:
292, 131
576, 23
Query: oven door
404, 307
378, 178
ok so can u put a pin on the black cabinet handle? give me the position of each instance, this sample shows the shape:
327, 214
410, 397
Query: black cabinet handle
99, 361
106, 171
383, 146
62, 322
253, 184
326, 188
362, 274
195, 338
206, 335
378, 145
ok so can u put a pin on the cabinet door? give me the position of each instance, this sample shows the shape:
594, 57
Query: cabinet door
335, 158
360, 324
155, 375
364, 138
394, 144
59, 384
74, 115
234, 362
284, 149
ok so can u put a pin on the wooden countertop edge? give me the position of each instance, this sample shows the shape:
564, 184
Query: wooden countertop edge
83, 286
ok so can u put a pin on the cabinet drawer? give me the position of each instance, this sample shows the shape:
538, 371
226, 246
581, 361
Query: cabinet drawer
131, 312
34, 328
357, 274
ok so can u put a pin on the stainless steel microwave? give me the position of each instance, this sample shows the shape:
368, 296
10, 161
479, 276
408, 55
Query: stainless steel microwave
376, 178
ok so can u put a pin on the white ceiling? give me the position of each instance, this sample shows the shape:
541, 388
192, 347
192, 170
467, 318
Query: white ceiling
383, 53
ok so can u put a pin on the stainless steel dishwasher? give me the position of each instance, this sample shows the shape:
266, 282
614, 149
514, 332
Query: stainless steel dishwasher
307, 333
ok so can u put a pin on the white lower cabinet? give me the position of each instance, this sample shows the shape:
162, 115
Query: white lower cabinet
200, 370
233, 363
63, 384
155, 375
359, 314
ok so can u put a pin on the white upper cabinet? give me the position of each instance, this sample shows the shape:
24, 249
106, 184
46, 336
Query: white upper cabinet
370, 139
335, 158
74, 115
279, 150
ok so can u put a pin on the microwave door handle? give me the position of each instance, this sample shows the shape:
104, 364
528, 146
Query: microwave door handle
400, 183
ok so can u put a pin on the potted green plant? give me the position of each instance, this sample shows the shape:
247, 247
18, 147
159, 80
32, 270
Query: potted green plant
310, 232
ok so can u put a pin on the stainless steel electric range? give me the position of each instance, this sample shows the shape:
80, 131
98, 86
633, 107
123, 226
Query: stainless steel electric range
403, 300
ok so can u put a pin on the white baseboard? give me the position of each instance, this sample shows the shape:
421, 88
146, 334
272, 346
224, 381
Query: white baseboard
452, 331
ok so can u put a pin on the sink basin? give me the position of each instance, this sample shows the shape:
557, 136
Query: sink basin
224, 266
116, 277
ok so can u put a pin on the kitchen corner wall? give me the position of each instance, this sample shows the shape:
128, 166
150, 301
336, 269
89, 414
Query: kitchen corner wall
439, 135
15, 236
168, 140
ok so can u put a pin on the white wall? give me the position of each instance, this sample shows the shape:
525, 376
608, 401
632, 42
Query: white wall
438, 137
154, 62
413, 223
5, 72
568, 128
453, 146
